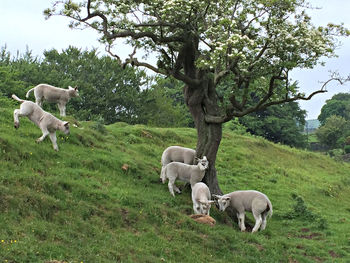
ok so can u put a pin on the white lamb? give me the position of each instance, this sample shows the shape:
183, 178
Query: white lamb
176, 154
201, 199
188, 173
250, 200
47, 123
53, 95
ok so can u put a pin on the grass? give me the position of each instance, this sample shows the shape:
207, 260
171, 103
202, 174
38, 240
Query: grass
79, 205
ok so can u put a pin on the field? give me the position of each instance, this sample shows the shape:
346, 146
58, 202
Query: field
79, 205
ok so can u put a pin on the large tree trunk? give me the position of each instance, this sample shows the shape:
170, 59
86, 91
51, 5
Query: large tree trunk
199, 101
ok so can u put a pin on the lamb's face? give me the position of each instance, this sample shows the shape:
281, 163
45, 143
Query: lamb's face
74, 91
223, 202
204, 207
65, 127
203, 163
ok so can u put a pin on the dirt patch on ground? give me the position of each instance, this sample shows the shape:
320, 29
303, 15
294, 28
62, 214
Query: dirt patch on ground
311, 236
333, 254
204, 219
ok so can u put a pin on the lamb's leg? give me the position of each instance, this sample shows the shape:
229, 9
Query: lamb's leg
241, 224
171, 185
39, 101
16, 114
62, 108
162, 174
23, 110
45, 133
263, 224
258, 221
177, 189
54, 140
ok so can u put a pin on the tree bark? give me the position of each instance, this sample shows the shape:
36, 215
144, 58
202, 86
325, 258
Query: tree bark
199, 101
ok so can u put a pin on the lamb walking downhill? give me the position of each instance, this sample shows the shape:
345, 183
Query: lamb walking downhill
44, 120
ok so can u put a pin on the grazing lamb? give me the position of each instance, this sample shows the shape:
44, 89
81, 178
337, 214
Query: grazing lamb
177, 154
44, 120
201, 199
250, 200
188, 173
53, 95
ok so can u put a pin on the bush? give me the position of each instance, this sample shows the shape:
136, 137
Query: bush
347, 148
235, 126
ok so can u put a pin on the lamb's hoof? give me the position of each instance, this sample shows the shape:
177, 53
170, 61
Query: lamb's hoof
37, 141
16, 125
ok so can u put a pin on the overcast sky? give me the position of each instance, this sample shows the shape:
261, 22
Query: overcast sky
22, 24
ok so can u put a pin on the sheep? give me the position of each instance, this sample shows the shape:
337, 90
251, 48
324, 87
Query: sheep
201, 199
250, 200
44, 120
53, 95
176, 154
188, 173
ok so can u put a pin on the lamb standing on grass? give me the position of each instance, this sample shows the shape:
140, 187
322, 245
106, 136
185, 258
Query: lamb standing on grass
201, 199
177, 154
53, 95
44, 120
188, 173
250, 200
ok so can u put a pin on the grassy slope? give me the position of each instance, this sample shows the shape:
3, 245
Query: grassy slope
78, 205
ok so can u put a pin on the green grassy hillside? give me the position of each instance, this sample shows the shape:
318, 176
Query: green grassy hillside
79, 205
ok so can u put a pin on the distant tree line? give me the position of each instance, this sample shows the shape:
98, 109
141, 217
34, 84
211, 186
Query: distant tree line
107, 91
334, 132
110, 94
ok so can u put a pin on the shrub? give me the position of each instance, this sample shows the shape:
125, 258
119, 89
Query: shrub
347, 148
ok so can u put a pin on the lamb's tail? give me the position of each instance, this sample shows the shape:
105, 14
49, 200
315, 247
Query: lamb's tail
29, 91
16, 98
269, 208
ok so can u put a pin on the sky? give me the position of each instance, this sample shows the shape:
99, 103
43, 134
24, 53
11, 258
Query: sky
23, 25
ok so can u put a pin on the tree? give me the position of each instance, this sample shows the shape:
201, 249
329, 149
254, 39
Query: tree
207, 43
334, 132
17, 74
162, 105
282, 123
106, 90
338, 105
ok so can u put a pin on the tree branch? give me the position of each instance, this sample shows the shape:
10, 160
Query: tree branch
230, 113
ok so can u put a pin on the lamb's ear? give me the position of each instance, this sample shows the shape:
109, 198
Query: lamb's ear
227, 198
66, 123
211, 202
76, 87
216, 196
196, 159
69, 87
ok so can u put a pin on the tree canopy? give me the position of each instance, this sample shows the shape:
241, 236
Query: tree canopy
246, 41
338, 105
334, 132
279, 123
246, 48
